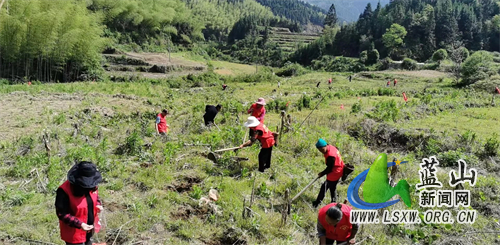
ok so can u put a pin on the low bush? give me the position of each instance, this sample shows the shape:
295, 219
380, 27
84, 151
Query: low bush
409, 64
291, 70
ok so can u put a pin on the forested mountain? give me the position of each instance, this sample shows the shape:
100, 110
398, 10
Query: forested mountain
347, 10
61, 40
415, 29
296, 10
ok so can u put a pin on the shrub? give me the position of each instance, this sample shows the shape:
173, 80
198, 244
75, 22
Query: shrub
477, 67
356, 107
304, 102
385, 92
363, 57
373, 57
133, 145
426, 99
291, 70
460, 55
491, 146
277, 105
343, 64
487, 85
409, 64
431, 66
439, 55
385, 111
261, 76
384, 64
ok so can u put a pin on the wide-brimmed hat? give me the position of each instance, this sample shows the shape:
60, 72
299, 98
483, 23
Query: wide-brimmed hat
261, 101
252, 122
85, 175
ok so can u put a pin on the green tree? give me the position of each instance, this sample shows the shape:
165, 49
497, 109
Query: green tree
331, 18
440, 55
477, 67
373, 57
446, 25
363, 57
50, 40
394, 38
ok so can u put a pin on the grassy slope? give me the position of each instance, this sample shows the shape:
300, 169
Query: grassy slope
139, 197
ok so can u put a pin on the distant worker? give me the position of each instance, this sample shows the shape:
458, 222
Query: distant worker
395, 82
77, 204
266, 138
333, 171
350, 78
317, 85
257, 109
388, 83
224, 86
210, 113
334, 225
329, 81
161, 125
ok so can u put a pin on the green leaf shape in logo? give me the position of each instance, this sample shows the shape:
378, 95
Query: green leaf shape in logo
377, 189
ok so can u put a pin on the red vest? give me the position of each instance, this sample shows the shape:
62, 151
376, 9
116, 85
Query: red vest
257, 112
267, 138
338, 167
79, 209
162, 126
342, 230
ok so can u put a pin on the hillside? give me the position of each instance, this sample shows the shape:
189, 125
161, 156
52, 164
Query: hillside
296, 10
347, 10
154, 186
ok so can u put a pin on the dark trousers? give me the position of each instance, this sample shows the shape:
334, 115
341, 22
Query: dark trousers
331, 242
208, 121
332, 185
265, 158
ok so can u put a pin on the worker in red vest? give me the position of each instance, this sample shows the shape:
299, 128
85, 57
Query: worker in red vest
334, 225
257, 109
266, 138
333, 171
395, 82
161, 123
388, 83
77, 204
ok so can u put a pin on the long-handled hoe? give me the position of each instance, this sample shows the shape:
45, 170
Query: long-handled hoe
289, 202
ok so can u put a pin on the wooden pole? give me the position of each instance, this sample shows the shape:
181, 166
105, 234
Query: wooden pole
228, 149
300, 193
311, 112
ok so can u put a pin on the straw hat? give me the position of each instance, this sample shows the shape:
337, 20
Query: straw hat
261, 101
252, 122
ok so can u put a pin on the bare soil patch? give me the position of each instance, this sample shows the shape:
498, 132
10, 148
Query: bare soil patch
184, 185
230, 236
115, 207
